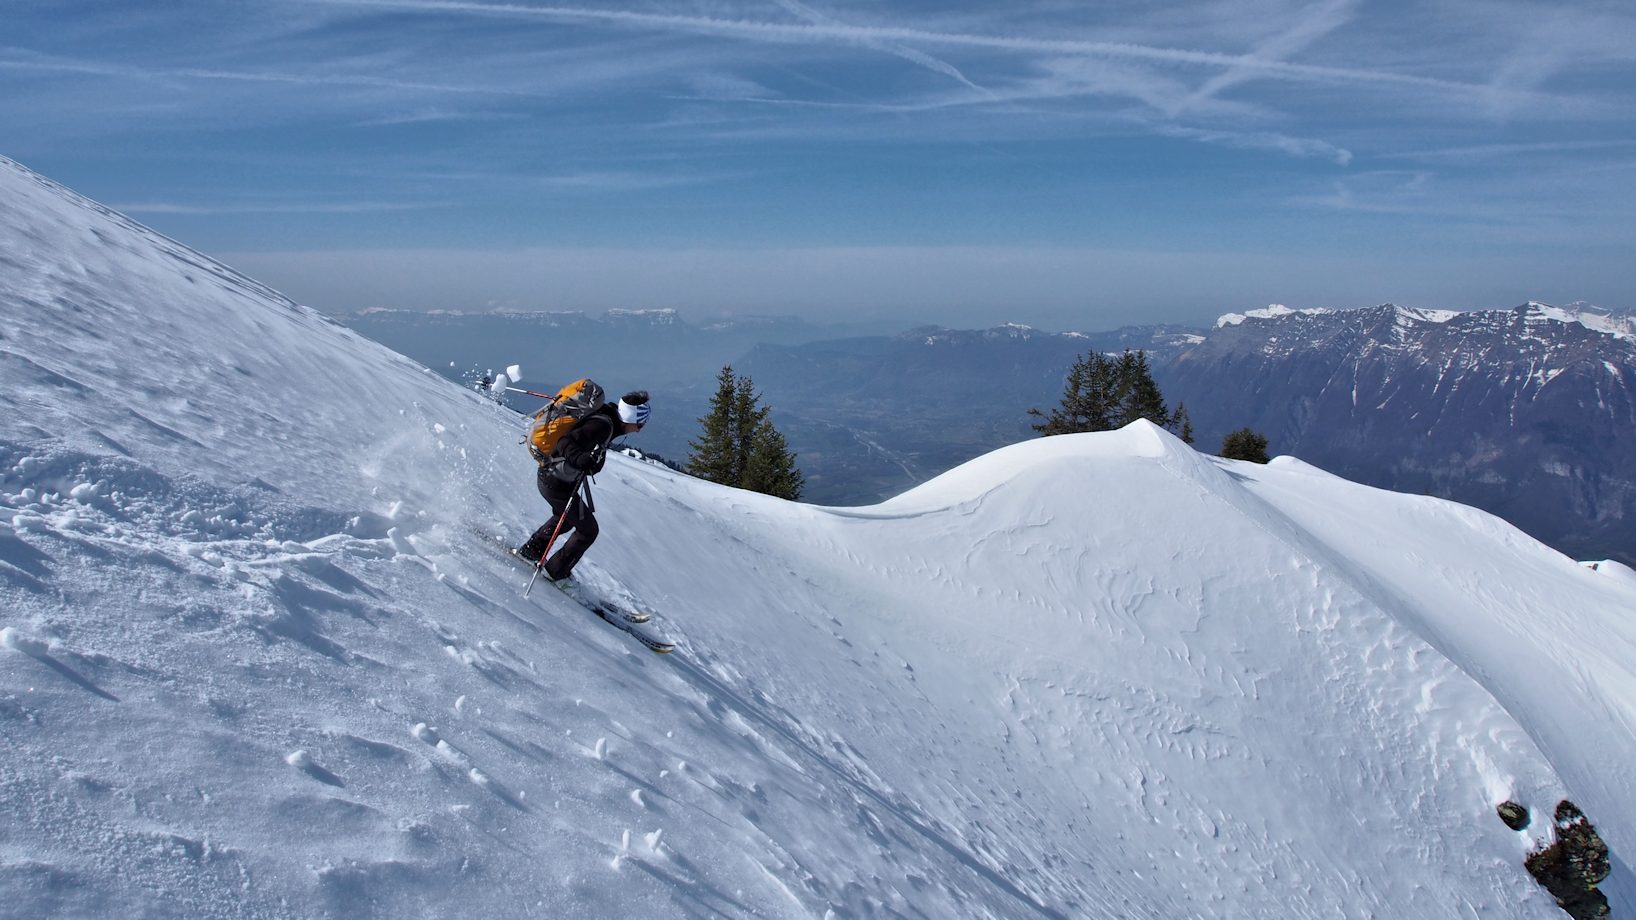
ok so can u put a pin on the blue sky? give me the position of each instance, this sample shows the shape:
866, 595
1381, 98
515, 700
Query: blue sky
1067, 164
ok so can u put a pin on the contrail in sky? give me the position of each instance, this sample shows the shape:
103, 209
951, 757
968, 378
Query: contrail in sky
865, 35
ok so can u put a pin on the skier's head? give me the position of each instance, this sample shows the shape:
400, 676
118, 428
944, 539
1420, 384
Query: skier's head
634, 410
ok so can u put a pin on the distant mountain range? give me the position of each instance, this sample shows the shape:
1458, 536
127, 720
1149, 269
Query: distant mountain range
1529, 413
1525, 412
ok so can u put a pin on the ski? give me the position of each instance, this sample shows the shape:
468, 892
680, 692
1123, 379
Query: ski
651, 641
592, 602
619, 616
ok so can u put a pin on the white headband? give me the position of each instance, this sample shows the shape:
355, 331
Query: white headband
634, 414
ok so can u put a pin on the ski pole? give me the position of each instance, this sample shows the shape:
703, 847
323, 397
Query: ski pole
486, 385
511, 389
561, 519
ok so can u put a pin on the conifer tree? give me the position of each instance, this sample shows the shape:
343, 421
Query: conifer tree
714, 452
1087, 399
1104, 393
1138, 395
1182, 424
739, 446
748, 417
1245, 444
770, 468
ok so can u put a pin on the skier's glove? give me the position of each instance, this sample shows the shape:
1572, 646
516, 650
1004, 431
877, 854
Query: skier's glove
590, 462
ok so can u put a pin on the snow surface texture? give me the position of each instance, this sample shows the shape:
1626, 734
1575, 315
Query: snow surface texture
254, 664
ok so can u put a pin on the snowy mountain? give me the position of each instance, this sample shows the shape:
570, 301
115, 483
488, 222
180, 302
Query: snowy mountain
1529, 413
254, 661
1621, 323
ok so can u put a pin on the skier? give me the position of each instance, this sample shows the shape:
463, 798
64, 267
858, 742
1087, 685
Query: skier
578, 454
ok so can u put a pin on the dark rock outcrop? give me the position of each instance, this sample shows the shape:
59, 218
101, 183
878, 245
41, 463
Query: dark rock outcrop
1572, 866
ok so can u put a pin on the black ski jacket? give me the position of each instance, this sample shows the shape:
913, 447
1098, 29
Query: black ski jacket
584, 449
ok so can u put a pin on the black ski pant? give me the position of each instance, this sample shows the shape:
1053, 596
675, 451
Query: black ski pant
579, 519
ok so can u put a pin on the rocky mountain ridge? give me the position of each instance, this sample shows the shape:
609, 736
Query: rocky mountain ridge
1528, 412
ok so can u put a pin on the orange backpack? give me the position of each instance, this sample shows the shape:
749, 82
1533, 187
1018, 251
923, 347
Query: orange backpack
572, 403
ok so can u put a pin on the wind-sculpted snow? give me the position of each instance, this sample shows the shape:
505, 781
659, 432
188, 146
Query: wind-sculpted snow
254, 661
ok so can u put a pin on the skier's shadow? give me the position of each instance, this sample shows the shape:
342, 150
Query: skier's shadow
694, 889
70, 674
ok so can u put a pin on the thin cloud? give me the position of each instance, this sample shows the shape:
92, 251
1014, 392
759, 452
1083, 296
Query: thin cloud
1319, 21
620, 181
1498, 151
328, 207
1059, 79
912, 55
1260, 140
23, 59
1077, 77
437, 116
832, 33
1420, 193
752, 99
320, 79
719, 85
1551, 39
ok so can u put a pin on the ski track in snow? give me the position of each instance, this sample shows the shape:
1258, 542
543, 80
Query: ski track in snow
253, 665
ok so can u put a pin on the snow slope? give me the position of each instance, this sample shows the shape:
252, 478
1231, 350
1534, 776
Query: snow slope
255, 664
